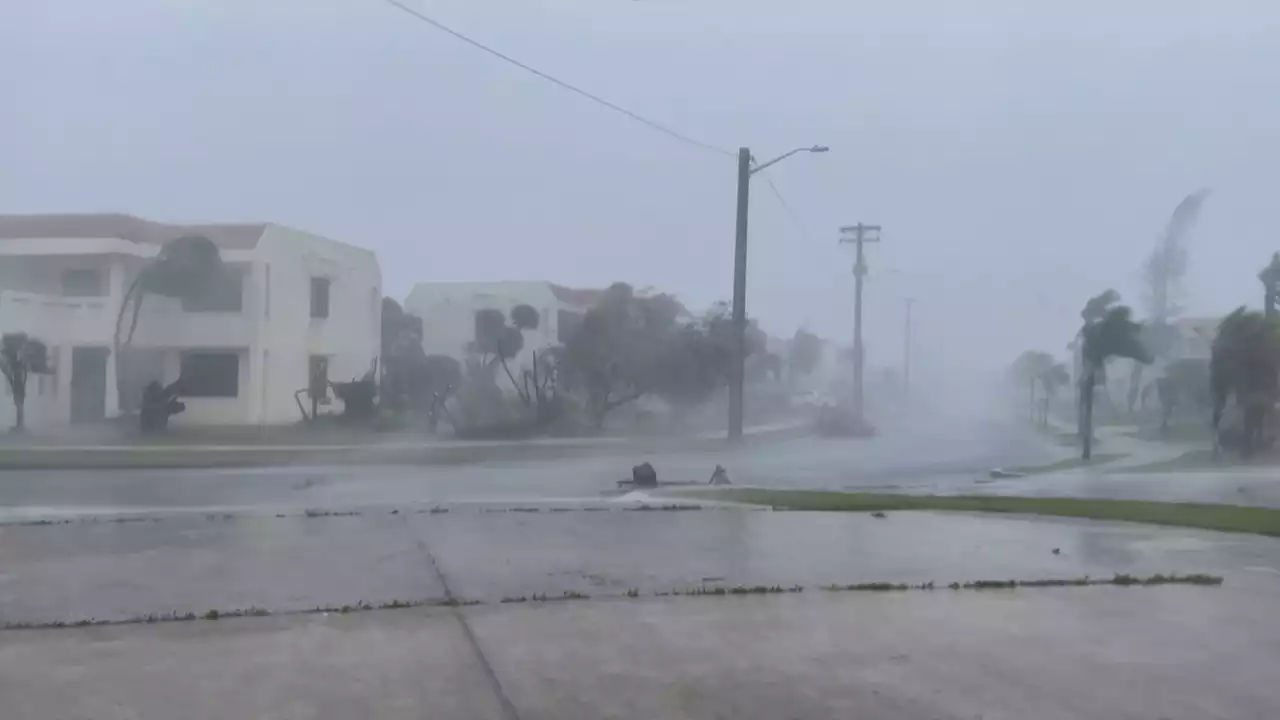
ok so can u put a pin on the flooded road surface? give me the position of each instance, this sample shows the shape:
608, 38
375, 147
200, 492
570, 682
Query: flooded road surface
923, 457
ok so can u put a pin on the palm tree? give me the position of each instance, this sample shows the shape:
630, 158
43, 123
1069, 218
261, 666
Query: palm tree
1027, 370
20, 355
1245, 362
1034, 367
1051, 378
185, 267
1109, 331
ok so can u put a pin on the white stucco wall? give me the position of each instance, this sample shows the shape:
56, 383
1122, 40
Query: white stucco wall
448, 312
273, 334
288, 336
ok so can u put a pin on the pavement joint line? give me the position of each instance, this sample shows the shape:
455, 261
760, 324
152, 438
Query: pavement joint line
509, 710
700, 591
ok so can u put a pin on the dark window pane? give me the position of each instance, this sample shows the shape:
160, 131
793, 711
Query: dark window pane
222, 294
319, 297
318, 372
210, 374
82, 283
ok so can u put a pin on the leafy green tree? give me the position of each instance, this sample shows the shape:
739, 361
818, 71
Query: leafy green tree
525, 317
804, 354
1185, 382
1052, 379
402, 356
1245, 363
1109, 331
1035, 368
1025, 372
609, 355
20, 356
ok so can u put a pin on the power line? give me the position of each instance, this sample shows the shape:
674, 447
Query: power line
596, 98
795, 219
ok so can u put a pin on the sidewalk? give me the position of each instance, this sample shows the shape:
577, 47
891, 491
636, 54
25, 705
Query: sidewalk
1085, 653
1117, 439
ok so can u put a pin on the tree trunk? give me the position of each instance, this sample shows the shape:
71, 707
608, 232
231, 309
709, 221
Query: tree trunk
115, 336
1135, 383
1086, 414
1031, 399
19, 405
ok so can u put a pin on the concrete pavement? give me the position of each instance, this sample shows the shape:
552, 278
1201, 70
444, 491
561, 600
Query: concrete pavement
116, 571
1169, 653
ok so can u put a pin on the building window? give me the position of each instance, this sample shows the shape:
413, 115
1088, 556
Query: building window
567, 324
210, 374
318, 372
82, 283
222, 294
320, 297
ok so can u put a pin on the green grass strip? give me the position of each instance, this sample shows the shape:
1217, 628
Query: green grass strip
1070, 463
1228, 518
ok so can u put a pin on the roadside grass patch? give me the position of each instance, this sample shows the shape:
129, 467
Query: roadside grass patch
1202, 459
633, 593
1070, 463
720, 590
1227, 518
1177, 433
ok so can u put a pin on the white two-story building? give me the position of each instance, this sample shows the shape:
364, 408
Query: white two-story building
448, 311
291, 303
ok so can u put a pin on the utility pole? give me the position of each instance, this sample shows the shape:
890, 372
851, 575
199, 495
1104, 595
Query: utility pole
858, 234
737, 371
906, 351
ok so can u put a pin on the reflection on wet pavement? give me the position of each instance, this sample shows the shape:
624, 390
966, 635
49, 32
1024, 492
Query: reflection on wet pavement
925, 458
108, 570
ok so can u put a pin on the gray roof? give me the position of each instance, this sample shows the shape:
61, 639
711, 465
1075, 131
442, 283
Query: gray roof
125, 227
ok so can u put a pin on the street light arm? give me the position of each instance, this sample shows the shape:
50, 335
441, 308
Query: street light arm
784, 156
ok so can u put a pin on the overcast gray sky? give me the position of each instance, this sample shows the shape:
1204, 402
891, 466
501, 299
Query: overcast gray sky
1020, 155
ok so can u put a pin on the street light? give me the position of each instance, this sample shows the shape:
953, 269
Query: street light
737, 372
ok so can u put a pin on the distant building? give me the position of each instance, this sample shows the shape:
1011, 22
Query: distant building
294, 302
448, 311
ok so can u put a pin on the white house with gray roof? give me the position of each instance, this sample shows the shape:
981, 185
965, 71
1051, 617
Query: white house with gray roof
294, 302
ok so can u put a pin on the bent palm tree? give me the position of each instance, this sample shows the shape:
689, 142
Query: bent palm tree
1109, 331
185, 267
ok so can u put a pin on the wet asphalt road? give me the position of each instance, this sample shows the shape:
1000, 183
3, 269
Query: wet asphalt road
923, 456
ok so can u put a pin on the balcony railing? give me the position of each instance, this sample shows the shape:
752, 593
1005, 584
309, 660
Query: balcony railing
59, 320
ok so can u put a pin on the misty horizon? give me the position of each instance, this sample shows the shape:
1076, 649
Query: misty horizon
1020, 161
